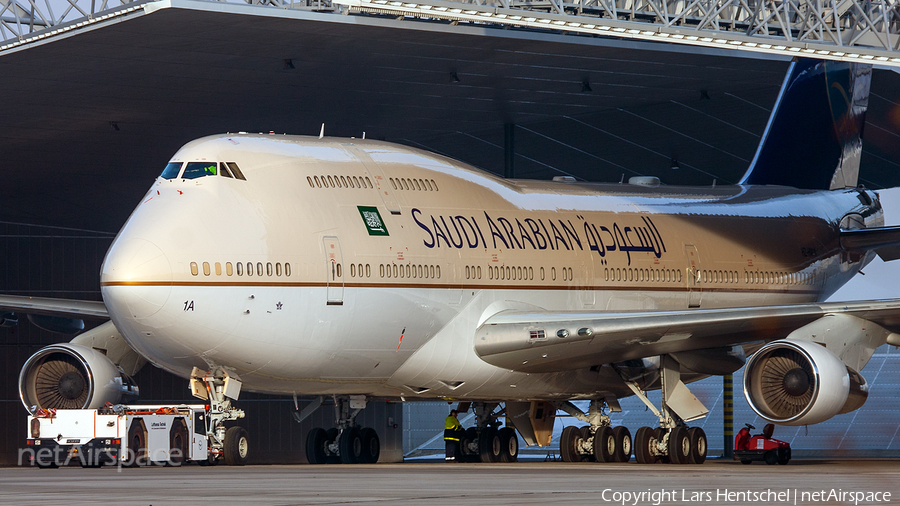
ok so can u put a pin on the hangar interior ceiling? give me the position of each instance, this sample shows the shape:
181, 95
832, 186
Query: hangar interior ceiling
97, 113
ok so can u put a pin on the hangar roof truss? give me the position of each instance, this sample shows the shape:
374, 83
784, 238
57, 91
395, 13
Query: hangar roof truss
850, 30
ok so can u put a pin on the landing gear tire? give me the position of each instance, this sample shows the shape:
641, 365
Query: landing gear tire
237, 446
642, 454
371, 446
178, 443
509, 445
351, 446
679, 446
604, 444
466, 454
331, 436
698, 445
490, 445
622, 437
315, 446
567, 441
587, 435
659, 434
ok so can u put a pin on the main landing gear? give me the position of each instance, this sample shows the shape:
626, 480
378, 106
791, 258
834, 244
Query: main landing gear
597, 442
345, 444
673, 441
487, 441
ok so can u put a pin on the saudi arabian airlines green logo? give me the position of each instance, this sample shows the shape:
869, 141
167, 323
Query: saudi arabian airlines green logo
373, 220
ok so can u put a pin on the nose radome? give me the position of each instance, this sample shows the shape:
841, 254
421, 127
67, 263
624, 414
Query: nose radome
136, 273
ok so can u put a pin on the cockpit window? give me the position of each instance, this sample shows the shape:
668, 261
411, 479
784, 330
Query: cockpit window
171, 171
223, 170
235, 170
193, 170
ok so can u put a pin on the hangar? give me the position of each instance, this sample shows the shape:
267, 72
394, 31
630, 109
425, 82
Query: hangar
92, 112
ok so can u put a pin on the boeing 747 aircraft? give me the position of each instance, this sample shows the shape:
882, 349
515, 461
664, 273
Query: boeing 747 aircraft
360, 270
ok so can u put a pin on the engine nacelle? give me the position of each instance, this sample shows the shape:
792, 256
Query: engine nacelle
72, 376
793, 382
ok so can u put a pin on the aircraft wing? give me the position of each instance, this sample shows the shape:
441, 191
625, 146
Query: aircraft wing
531, 341
53, 307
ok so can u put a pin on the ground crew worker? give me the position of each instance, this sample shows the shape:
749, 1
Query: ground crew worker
452, 432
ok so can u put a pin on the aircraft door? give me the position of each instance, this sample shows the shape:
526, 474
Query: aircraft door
380, 181
334, 272
693, 275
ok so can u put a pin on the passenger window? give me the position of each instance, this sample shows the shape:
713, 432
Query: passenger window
228, 269
240, 269
249, 268
193, 170
368, 271
171, 171
218, 269
194, 270
287, 269
278, 269
268, 268
259, 268
233, 167
206, 268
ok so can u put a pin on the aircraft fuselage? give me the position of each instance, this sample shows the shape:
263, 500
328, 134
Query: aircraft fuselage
361, 267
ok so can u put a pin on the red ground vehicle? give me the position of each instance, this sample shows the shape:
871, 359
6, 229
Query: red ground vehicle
748, 448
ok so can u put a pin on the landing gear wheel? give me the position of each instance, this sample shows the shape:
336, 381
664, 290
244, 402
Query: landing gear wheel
351, 446
771, 458
698, 445
509, 445
567, 441
679, 446
315, 446
642, 454
489, 445
137, 444
466, 454
178, 443
237, 446
659, 434
331, 436
622, 437
604, 444
586, 435
371, 446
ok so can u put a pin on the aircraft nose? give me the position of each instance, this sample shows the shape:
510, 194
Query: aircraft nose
136, 277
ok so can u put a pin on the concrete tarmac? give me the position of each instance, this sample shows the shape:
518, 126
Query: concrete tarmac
715, 482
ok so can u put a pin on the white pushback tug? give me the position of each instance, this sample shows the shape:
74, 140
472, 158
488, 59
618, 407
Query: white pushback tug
140, 435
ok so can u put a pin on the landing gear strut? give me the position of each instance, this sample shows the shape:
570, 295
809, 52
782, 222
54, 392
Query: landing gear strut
347, 443
673, 441
597, 442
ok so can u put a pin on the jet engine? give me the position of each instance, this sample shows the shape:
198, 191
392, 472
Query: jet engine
72, 376
793, 382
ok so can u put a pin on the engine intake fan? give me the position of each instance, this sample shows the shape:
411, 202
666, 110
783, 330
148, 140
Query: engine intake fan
792, 382
72, 376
